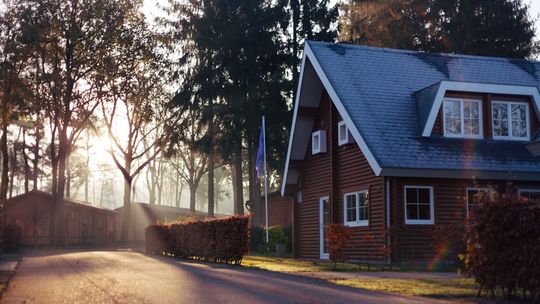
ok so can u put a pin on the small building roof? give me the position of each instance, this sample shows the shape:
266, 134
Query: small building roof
66, 200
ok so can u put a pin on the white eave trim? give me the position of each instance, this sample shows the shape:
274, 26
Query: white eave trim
474, 87
308, 53
291, 133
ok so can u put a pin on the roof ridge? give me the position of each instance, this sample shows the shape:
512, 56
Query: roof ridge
441, 54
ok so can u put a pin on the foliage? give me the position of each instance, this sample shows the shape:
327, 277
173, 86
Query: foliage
11, 238
450, 240
276, 235
218, 240
503, 247
338, 236
476, 27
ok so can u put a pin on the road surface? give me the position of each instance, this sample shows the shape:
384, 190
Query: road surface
125, 276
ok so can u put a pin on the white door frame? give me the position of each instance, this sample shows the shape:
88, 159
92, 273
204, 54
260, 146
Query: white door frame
323, 255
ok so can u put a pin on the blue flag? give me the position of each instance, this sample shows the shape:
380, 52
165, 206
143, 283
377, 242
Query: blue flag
260, 152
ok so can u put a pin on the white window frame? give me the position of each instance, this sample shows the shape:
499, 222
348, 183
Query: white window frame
510, 136
491, 192
344, 141
431, 221
533, 190
321, 143
358, 222
462, 134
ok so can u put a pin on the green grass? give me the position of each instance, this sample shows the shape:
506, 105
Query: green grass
288, 264
435, 288
292, 265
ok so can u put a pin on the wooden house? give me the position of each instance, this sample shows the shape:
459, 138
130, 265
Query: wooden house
85, 223
391, 140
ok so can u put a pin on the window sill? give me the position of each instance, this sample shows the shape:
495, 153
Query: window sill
419, 222
357, 224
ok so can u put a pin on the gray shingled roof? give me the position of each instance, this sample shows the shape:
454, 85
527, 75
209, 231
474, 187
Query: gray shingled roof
376, 87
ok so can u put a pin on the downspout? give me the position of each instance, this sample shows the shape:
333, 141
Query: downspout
388, 222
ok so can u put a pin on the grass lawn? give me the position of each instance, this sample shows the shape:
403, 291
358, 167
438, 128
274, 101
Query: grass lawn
292, 265
436, 288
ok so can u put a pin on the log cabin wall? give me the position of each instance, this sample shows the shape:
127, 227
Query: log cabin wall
416, 242
340, 170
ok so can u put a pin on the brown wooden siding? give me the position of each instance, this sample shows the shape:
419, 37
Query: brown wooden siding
415, 242
342, 169
438, 128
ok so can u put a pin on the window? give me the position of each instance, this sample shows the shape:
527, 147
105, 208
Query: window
530, 194
462, 118
510, 120
419, 205
476, 196
356, 209
318, 142
343, 133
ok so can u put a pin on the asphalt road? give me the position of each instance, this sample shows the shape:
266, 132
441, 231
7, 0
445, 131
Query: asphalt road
124, 276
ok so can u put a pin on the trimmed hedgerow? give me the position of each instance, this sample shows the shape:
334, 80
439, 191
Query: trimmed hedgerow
217, 240
503, 247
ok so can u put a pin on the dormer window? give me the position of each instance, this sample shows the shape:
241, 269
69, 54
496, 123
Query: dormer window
343, 133
318, 142
510, 120
462, 118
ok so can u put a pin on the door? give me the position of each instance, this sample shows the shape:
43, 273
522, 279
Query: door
324, 220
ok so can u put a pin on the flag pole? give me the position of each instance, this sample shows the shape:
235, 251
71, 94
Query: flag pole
265, 179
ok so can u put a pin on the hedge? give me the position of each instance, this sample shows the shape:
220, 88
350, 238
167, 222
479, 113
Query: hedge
217, 240
503, 247
11, 238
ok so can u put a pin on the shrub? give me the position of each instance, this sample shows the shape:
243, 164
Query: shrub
338, 236
276, 235
11, 238
217, 240
503, 247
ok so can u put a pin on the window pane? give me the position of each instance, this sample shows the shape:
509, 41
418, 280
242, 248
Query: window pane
424, 212
363, 205
500, 119
452, 117
519, 120
412, 211
351, 208
342, 132
411, 195
423, 196
471, 118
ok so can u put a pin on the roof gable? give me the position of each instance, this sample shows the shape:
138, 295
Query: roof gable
388, 98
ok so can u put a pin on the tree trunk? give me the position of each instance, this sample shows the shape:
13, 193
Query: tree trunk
36, 155
54, 180
5, 166
26, 165
192, 197
211, 162
179, 199
126, 211
68, 177
238, 180
63, 153
87, 175
257, 202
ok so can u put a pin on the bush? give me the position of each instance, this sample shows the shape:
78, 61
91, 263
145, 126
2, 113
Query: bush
11, 238
217, 240
338, 236
276, 235
503, 247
